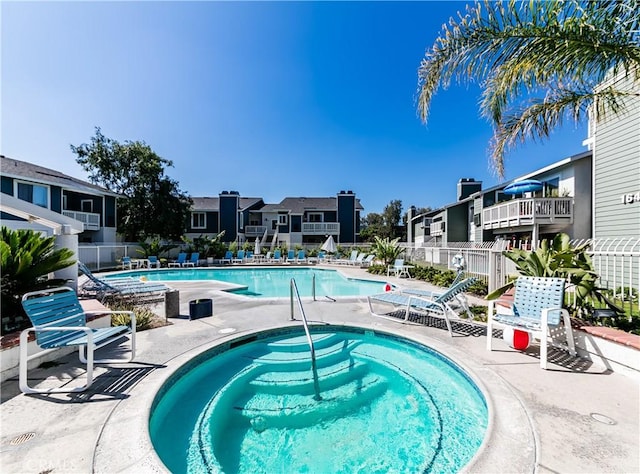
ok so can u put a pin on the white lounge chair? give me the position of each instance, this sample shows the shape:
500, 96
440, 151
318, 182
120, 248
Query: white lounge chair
438, 306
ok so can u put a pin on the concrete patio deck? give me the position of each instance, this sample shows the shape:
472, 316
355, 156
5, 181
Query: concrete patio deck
575, 417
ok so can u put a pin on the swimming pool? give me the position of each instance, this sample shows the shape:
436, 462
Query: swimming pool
269, 282
386, 404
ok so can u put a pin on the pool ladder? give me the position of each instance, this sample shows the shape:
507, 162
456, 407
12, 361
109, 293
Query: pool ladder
295, 294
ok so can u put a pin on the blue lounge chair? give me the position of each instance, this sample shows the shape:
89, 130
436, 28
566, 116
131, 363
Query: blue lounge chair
239, 257
118, 287
438, 306
291, 256
228, 256
59, 321
301, 256
153, 261
193, 260
180, 261
537, 307
127, 263
277, 257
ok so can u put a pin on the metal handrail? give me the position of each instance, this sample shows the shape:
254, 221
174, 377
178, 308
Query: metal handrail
314, 368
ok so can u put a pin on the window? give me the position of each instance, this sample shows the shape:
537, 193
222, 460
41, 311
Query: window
552, 188
315, 217
34, 193
198, 220
86, 205
283, 219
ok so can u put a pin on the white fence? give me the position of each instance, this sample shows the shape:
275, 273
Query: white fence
100, 256
617, 262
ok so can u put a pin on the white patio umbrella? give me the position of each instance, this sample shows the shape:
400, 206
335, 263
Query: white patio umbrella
257, 249
329, 245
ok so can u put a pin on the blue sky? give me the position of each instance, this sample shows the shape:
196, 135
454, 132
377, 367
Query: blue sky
272, 99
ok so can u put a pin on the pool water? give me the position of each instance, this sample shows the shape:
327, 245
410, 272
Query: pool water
269, 282
386, 405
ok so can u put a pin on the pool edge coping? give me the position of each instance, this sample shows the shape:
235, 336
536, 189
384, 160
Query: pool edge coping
138, 455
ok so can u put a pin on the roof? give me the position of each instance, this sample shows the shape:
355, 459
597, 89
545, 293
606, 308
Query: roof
29, 172
300, 205
40, 215
213, 203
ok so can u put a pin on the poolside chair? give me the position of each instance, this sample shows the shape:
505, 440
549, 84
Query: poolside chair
291, 256
368, 260
193, 260
301, 256
118, 287
344, 261
537, 307
249, 257
239, 257
396, 268
182, 258
267, 257
228, 256
277, 257
154, 262
438, 306
59, 321
359, 259
127, 264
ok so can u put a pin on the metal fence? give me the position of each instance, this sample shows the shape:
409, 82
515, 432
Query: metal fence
616, 260
101, 256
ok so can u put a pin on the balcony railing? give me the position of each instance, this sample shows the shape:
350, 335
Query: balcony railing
436, 228
528, 211
255, 230
321, 228
90, 220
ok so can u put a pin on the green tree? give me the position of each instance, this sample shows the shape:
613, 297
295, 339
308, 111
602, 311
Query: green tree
386, 250
538, 63
26, 258
372, 225
392, 215
153, 204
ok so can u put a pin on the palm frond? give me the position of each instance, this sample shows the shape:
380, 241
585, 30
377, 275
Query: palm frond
516, 49
542, 116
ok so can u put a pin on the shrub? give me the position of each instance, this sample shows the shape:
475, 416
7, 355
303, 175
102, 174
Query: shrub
144, 315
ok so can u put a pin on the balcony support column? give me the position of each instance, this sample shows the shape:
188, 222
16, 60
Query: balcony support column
67, 239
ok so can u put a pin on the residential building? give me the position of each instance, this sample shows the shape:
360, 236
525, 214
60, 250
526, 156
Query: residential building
563, 204
292, 221
614, 140
93, 206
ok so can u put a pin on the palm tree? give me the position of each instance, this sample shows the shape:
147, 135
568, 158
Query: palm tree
561, 49
27, 258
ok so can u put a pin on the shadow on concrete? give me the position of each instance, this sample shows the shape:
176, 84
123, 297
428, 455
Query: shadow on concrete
113, 383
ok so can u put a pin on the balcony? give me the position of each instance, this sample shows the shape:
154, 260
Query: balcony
436, 229
90, 220
528, 211
255, 230
321, 228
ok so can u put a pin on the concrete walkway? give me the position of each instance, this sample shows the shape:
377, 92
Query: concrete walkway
575, 417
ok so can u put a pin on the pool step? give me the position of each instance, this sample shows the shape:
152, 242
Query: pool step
283, 360
265, 410
329, 377
300, 343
